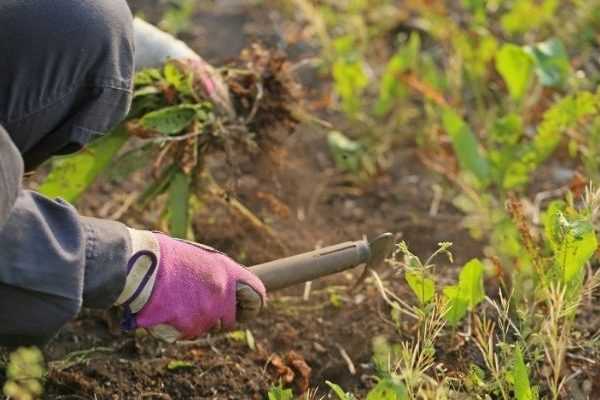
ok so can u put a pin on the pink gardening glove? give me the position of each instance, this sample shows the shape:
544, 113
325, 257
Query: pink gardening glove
181, 290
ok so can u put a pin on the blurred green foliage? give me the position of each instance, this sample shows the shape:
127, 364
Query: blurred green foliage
25, 374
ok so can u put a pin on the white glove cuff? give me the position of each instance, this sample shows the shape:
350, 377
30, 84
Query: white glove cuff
153, 47
142, 270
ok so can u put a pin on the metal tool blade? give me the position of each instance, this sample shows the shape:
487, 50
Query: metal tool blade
381, 247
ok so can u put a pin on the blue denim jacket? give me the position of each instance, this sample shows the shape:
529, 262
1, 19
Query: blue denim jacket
65, 77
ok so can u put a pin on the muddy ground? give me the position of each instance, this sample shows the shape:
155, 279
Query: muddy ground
308, 204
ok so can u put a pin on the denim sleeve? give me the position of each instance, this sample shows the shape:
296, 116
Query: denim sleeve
11, 170
52, 261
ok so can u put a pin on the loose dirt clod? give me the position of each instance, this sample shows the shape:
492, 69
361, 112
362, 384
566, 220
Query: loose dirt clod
264, 90
282, 371
303, 371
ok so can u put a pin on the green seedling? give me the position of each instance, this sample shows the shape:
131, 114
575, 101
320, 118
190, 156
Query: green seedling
467, 294
520, 376
175, 365
280, 393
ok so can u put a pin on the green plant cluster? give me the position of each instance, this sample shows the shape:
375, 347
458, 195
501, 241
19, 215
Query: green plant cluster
521, 339
25, 374
168, 112
499, 88
504, 82
173, 127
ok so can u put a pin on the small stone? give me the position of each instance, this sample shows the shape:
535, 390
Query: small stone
319, 348
359, 298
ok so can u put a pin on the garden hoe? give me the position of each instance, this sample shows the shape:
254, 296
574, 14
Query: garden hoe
286, 272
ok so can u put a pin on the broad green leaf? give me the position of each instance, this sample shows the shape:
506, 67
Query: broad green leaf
467, 294
169, 120
279, 393
387, 389
573, 241
552, 65
471, 283
466, 146
178, 204
520, 374
578, 245
339, 392
422, 286
457, 305
516, 68
71, 175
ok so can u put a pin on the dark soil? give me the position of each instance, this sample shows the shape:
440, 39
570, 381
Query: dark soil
307, 203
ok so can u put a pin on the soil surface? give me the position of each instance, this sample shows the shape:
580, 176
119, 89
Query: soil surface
302, 342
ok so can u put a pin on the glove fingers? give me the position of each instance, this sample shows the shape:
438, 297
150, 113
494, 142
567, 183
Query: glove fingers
249, 303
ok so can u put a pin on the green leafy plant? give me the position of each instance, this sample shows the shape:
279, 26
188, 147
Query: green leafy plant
572, 239
556, 281
460, 298
490, 92
25, 374
173, 119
